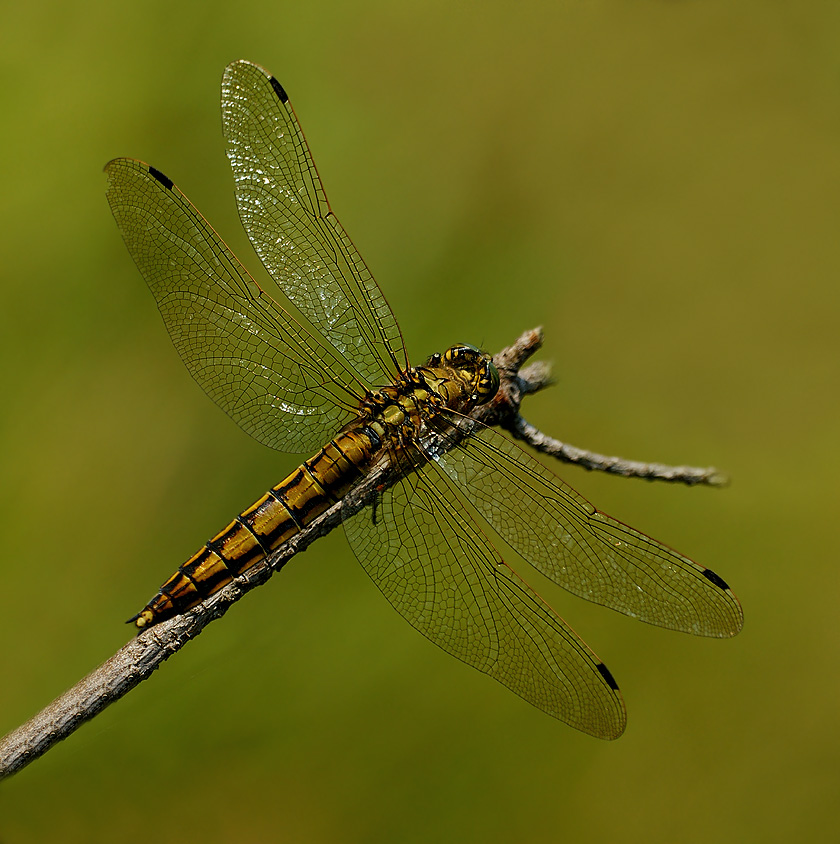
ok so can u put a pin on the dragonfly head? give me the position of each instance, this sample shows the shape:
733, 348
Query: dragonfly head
477, 368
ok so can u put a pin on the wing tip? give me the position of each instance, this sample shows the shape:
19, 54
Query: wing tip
247, 66
614, 721
115, 165
736, 619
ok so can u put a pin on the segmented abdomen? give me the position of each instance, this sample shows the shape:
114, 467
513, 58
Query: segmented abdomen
281, 513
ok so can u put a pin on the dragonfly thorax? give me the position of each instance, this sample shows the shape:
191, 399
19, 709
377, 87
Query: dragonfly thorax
457, 380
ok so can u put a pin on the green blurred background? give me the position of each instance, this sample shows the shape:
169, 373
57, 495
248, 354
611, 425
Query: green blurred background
658, 184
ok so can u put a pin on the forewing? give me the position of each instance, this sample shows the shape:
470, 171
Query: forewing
584, 550
445, 578
300, 242
281, 384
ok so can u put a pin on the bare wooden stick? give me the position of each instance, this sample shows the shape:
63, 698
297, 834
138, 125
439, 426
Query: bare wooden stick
516, 383
138, 659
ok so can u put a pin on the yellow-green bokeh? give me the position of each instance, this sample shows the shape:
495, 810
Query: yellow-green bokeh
657, 183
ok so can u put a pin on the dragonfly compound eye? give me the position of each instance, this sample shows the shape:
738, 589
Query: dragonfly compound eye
489, 384
462, 355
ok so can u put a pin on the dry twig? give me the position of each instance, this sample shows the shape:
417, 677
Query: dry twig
136, 661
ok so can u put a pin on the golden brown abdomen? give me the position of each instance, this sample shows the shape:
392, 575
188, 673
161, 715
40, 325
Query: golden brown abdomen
281, 513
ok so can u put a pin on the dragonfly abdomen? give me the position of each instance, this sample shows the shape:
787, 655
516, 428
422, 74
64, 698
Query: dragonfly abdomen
390, 417
282, 512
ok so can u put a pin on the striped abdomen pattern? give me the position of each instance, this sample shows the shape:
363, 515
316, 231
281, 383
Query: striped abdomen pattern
389, 418
281, 513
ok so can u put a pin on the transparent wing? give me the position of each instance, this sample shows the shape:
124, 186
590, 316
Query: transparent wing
300, 242
445, 578
583, 550
285, 387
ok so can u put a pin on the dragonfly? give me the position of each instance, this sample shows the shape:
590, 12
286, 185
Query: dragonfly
329, 364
